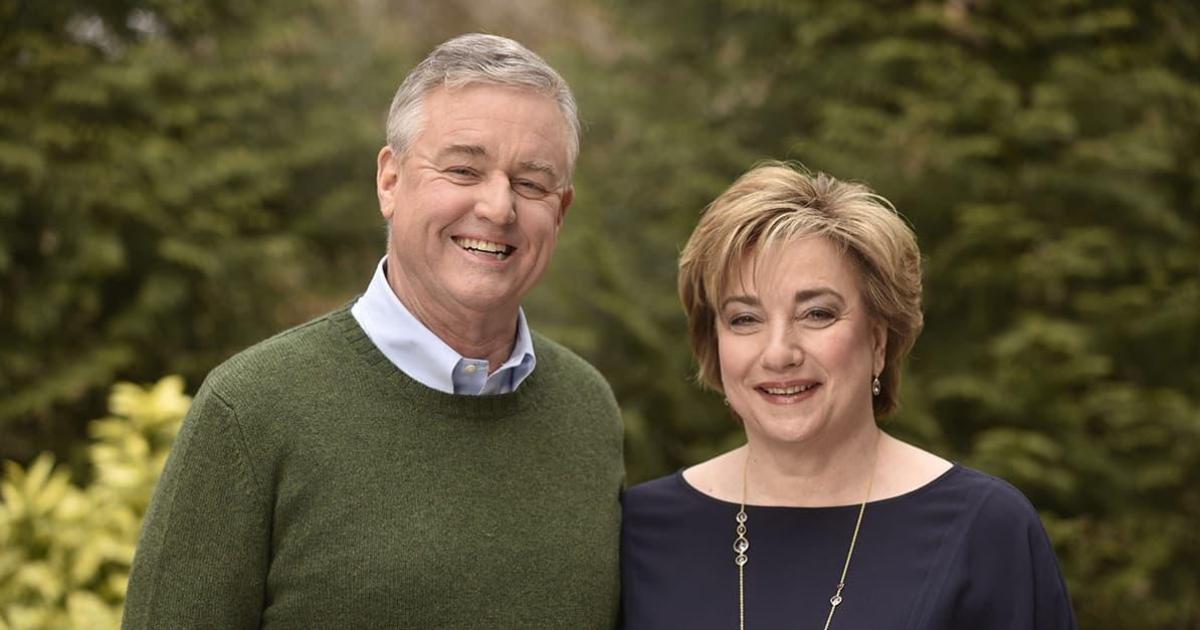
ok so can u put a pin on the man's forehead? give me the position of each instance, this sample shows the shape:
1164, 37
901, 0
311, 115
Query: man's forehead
482, 100
459, 149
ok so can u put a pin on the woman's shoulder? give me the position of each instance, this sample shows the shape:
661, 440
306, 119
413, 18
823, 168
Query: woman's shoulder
664, 493
666, 486
982, 494
1005, 551
999, 503
916, 473
668, 499
976, 511
692, 486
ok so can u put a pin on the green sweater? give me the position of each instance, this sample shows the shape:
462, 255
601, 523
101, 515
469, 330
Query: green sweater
314, 485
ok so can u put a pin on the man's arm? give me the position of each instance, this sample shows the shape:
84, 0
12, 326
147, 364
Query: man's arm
203, 556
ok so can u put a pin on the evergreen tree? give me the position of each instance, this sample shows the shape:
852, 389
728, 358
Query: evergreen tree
170, 172
1046, 156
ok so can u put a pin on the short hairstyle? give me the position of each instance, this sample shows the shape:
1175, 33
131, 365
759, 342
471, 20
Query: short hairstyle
772, 206
471, 59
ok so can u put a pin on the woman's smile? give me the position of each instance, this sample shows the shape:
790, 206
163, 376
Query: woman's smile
789, 392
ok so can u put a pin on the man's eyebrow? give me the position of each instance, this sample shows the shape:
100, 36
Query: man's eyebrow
540, 166
469, 150
477, 151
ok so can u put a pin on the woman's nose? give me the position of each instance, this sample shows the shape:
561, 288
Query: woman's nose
783, 351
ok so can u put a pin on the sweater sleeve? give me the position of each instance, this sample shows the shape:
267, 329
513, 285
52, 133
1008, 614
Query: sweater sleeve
1009, 575
203, 555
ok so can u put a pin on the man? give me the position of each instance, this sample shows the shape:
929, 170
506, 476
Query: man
421, 459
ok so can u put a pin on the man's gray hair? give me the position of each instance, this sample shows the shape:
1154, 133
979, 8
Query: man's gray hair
476, 58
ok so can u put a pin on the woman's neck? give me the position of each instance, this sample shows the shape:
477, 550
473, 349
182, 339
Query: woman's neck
811, 475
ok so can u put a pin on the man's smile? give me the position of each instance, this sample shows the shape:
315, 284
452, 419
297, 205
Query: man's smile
499, 250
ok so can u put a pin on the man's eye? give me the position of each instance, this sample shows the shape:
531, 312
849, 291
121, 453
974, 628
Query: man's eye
461, 172
530, 189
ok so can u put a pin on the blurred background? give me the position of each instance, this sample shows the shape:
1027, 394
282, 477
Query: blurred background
181, 179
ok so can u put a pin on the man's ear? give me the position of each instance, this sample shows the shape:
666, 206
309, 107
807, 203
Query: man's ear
568, 196
387, 178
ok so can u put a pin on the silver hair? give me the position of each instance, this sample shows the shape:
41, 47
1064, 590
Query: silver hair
476, 58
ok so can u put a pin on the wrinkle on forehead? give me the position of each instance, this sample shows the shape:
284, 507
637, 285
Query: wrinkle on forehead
463, 116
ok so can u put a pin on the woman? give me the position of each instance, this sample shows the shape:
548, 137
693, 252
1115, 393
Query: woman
803, 297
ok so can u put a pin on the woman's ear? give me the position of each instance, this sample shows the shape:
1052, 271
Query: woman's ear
879, 347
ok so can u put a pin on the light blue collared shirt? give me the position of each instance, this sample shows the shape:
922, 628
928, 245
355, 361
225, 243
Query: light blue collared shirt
419, 353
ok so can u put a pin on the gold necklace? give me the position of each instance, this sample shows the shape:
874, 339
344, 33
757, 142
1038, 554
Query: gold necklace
741, 545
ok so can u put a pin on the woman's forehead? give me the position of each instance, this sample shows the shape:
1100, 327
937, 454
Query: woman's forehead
799, 261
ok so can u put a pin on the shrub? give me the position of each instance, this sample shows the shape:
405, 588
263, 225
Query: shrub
66, 547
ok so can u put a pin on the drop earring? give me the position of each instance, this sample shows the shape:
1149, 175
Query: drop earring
876, 386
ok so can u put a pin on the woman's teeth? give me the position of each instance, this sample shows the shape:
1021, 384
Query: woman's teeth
788, 391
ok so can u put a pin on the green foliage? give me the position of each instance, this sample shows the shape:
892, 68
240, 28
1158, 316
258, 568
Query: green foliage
65, 549
179, 179
171, 171
1046, 155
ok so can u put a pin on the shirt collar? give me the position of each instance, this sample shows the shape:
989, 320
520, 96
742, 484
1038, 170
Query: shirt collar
422, 355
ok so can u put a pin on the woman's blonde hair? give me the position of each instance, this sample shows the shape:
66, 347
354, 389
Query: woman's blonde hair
776, 204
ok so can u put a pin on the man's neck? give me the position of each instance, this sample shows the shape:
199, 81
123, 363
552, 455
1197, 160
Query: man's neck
489, 335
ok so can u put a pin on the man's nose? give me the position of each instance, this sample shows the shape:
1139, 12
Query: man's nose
496, 202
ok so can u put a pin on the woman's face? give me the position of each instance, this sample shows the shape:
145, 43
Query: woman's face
797, 345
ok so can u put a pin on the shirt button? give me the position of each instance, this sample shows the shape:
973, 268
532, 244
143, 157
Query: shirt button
470, 369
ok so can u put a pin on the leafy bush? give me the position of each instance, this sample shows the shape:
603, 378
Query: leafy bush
66, 548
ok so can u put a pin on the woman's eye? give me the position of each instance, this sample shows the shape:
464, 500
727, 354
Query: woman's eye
820, 316
741, 320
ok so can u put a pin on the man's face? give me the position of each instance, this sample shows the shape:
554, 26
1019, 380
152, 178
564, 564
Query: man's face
475, 202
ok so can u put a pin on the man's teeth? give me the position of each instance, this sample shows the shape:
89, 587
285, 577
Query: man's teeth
788, 391
500, 250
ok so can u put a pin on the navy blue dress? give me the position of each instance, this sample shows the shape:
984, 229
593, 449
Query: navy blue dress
966, 551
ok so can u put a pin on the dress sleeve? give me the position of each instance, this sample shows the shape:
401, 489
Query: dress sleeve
203, 555
1010, 577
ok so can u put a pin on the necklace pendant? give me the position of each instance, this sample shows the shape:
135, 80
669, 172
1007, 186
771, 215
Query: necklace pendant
741, 544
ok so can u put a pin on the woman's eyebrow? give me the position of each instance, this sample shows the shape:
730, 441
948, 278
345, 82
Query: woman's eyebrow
798, 297
748, 300
809, 294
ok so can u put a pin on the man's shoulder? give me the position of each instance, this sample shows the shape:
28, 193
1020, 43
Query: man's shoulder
571, 381
554, 356
288, 356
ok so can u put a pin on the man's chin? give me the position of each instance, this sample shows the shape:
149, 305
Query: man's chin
490, 300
